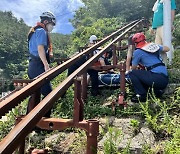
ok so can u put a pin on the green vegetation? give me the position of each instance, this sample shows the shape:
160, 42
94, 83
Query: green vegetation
158, 113
14, 50
135, 125
113, 138
99, 27
13, 45
60, 44
8, 123
176, 32
99, 17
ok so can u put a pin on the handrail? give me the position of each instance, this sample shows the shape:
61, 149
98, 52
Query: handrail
15, 98
21, 130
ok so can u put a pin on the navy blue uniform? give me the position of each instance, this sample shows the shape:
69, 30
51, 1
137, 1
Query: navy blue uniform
36, 67
156, 77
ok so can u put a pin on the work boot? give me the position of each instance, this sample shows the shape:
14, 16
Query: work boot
138, 98
158, 93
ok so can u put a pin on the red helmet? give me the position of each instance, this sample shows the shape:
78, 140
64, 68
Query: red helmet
138, 37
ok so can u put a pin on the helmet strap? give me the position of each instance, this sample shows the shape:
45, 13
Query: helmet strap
140, 41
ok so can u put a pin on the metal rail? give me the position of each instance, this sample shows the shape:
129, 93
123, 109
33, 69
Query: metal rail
23, 128
16, 98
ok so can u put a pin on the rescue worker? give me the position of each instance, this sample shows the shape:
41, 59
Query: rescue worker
155, 74
100, 61
40, 51
92, 73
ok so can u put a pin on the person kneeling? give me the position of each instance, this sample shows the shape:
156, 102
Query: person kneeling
155, 74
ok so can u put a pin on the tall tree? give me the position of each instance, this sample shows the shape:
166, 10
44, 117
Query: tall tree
128, 9
90, 26
13, 44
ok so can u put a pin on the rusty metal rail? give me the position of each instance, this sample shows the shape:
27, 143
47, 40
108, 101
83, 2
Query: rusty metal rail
15, 99
33, 118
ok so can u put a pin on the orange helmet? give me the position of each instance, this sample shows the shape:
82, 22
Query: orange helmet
138, 37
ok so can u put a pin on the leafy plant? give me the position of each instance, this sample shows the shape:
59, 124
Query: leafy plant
173, 146
7, 124
158, 116
112, 140
135, 124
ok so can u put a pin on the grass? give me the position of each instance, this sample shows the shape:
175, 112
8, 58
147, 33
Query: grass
162, 116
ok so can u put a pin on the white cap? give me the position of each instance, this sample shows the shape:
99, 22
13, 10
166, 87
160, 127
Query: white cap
92, 38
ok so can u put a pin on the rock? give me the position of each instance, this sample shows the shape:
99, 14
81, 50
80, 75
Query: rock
171, 88
108, 121
52, 138
124, 125
145, 136
65, 145
127, 138
148, 135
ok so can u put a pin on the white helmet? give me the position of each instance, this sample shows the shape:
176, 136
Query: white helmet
92, 38
50, 17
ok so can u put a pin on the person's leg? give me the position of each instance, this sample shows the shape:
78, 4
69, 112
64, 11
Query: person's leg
148, 79
158, 93
74, 67
35, 69
94, 81
93, 74
159, 81
45, 90
159, 84
136, 77
143, 80
158, 37
159, 40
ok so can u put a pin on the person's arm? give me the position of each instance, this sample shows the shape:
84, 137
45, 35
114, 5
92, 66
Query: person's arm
136, 59
42, 56
129, 57
41, 38
152, 31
